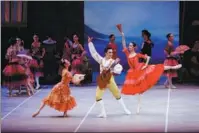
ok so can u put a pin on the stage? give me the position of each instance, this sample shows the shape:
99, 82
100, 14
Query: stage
155, 116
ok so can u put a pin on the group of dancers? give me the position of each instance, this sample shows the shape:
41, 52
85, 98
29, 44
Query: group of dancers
36, 61
140, 77
24, 67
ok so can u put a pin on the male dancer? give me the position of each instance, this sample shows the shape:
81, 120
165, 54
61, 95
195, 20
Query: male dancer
105, 63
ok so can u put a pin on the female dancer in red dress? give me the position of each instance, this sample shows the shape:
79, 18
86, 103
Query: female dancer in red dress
60, 97
141, 76
14, 73
170, 61
78, 53
37, 63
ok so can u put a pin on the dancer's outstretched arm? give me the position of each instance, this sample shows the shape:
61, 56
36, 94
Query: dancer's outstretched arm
93, 51
123, 40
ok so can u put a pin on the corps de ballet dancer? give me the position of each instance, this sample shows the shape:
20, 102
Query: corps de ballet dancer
60, 97
37, 64
25, 62
141, 76
14, 73
108, 66
170, 60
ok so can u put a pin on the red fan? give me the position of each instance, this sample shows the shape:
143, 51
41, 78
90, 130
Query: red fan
182, 48
119, 27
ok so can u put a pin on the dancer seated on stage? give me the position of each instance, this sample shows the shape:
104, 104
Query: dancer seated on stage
60, 96
106, 79
25, 62
140, 76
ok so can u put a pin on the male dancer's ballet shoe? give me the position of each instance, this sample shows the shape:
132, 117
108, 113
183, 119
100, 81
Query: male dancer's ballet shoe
124, 107
102, 115
35, 114
103, 111
127, 112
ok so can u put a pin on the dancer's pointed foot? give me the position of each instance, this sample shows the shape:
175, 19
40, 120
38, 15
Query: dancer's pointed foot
65, 114
29, 94
138, 110
102, 115
37, 87
35, 114
166, 85
127, 112
173, 87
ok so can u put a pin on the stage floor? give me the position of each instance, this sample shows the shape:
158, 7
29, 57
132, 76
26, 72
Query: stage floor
182, 116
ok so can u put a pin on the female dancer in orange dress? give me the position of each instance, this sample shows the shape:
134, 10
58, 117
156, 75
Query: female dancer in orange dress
140, 76
60, 97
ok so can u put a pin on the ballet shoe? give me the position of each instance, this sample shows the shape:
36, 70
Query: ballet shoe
35, 114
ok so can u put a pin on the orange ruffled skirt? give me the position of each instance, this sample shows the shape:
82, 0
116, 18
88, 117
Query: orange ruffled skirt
60, 98
139, 81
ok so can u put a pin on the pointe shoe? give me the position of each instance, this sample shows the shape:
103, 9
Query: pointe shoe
138, 110
35, 114
29, 94
33, 92
166, 85
102, 115
127, 112
38, 86
173, 87
65, 114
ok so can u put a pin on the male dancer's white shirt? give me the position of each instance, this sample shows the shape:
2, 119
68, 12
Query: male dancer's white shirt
104, 63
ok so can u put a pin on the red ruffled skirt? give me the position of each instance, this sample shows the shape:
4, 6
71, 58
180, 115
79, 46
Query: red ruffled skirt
36, 67
170, 61
138, 81
76, 66
14, 75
